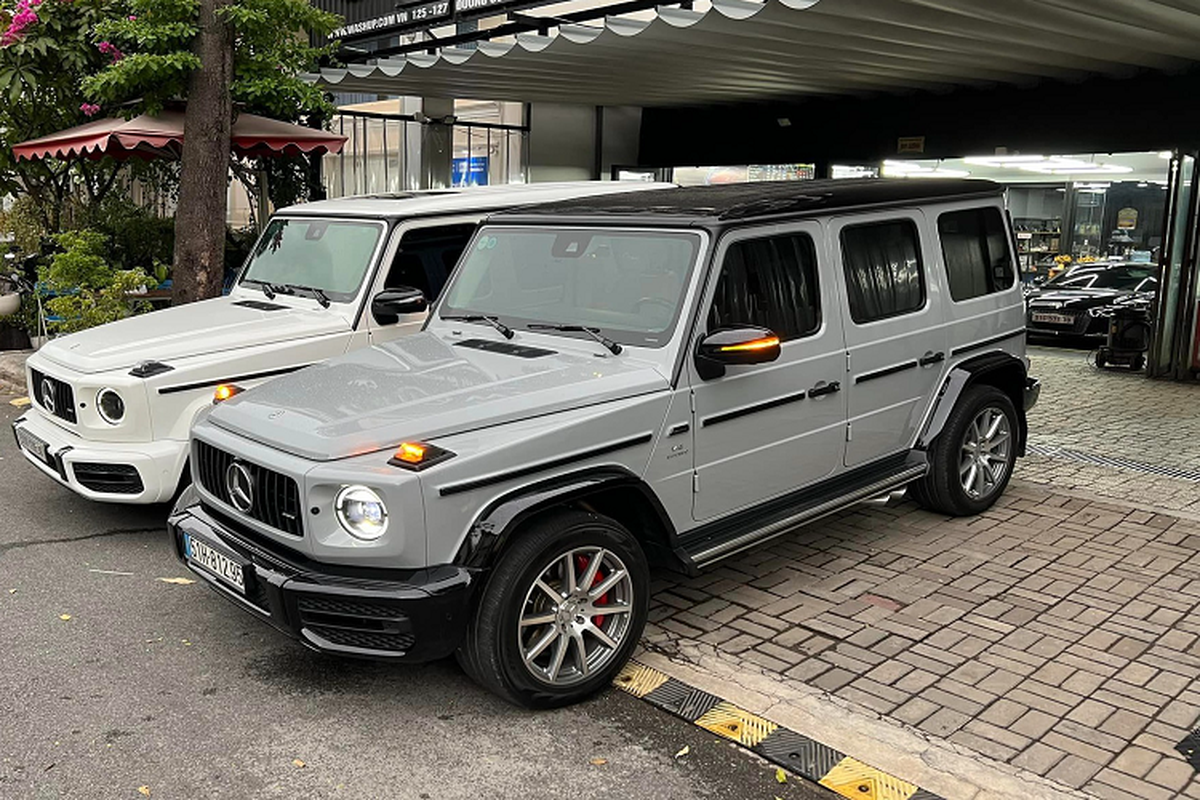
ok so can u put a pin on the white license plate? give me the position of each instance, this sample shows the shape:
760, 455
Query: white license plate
1054, 319
218, 564
35, 446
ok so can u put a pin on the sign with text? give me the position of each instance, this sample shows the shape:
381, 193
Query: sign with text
414, 15
910, 144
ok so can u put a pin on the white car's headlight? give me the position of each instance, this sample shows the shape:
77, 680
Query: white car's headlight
361, 512
110, 405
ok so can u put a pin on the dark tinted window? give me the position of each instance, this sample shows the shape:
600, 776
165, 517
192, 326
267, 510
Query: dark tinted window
883, 270
770, 283
426, 257
975, 246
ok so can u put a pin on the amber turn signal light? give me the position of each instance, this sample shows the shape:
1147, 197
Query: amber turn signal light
226, 391
419, 455
757, 344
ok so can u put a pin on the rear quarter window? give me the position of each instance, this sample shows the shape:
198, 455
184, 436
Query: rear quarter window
884, 276
975, 247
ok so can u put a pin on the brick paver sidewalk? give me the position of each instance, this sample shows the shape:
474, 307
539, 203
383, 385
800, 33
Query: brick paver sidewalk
1056, 633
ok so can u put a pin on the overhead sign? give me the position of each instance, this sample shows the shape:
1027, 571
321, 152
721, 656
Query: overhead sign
413, 17
910, 144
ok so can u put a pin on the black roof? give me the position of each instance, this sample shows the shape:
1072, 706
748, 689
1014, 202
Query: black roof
742, 201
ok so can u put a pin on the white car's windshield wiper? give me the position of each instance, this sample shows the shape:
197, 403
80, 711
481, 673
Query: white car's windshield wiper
595, 333
490, 320
267, 289
292, 288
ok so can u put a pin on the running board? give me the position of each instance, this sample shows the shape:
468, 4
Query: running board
725, 538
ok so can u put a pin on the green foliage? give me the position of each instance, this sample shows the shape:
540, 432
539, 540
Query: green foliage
91, 291
24, 223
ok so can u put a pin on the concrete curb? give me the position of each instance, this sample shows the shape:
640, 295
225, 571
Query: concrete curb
12, 371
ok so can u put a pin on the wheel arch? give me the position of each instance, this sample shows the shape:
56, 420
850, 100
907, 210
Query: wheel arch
1002, 370
611, 491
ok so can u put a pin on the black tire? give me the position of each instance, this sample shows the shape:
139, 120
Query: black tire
491, 650
1139, 362
942, 487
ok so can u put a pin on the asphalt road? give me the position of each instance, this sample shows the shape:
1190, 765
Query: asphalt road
167, 686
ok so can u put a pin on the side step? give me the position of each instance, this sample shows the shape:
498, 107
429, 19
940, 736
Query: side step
725, 537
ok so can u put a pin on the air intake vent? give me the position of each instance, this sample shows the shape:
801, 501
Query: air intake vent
507, 349
260, 305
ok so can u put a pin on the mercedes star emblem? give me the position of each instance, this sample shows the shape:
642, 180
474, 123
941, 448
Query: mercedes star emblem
48, 395
240, 487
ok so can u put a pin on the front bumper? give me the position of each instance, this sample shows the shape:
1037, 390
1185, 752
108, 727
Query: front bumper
1033, 390
117, 472
409, 615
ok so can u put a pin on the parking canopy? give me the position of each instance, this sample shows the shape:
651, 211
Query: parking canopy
719, 51
161, 136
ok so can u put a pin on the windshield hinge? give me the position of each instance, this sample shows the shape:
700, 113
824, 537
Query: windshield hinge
692, 401
695, 483
847, 361
849, 432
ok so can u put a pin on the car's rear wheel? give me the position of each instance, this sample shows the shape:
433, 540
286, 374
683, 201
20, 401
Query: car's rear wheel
561, 612
972, 460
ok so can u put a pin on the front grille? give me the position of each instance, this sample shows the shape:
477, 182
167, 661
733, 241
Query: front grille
275, 499
357, 623
53, 395
108, 478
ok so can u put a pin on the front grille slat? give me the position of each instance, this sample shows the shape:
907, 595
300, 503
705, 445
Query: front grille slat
108, 478
274, 493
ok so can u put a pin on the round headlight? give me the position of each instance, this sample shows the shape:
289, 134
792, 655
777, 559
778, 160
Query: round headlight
110, 405
361, 512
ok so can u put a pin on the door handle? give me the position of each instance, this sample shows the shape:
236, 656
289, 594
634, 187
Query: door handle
829, 388
931, 358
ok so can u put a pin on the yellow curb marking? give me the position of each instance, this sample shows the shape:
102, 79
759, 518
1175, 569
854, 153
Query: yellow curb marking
19, 401
852, 778
639, 680
726, 719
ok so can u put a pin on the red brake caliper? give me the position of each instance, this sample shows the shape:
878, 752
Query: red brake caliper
581, 564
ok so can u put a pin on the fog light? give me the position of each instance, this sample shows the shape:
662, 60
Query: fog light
110, 405
361, 512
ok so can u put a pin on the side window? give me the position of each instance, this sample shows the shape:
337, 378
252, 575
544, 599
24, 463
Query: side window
884, 277
976, 249
426, 257
770, 283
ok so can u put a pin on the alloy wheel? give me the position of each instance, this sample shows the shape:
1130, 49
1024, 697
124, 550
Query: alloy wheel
984, 460
575, 616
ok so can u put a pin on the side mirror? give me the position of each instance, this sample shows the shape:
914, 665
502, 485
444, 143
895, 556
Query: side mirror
390, 304
737, 347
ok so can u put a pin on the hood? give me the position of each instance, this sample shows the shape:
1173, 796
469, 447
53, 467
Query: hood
220, 325
422, 387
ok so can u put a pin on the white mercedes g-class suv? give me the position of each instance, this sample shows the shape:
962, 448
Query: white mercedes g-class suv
667, 377
111, 406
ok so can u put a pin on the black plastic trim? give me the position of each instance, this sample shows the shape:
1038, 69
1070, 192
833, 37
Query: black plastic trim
542, 466
971, 348
726, 416
886, 371
271, 373
148, 369
678, 428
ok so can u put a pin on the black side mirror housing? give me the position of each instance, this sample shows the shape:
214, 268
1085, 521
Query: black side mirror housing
390, 304
735, 347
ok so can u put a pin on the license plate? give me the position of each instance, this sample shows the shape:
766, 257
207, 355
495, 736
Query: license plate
217, 563
1054, 319
35, 446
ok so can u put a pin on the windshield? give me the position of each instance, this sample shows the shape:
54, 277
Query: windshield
330, 255
1139, 279
627, 284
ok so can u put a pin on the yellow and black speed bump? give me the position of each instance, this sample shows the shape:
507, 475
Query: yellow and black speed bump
798, 754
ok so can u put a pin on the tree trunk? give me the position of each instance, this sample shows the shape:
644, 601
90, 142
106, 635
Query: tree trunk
204, 170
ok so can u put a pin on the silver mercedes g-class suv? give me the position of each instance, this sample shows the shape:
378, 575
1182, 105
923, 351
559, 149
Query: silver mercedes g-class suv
667, 377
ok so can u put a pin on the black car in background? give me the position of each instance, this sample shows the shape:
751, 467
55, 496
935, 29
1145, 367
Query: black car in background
1078, 302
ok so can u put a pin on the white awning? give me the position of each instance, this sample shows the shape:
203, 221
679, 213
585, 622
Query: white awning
738, 50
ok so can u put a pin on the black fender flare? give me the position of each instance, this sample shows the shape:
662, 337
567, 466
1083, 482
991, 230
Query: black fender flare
495, 524
966, 374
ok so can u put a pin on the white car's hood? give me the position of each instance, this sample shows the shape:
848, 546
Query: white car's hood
224, 324
422, 387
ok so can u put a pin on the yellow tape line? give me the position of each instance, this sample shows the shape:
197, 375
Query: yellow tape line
639, 680
19, 401
726, 719
852, 778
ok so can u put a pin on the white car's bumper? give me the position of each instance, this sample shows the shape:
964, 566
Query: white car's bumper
115, 472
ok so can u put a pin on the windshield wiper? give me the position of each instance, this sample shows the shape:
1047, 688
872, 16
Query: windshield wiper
595, 333
267, 289
490, 320
292, 288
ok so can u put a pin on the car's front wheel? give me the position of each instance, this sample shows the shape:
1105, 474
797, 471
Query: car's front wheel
561, 612
972, 460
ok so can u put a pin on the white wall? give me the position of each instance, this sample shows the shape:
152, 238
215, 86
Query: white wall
562, 142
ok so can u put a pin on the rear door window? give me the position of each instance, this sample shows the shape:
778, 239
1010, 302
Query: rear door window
884, 276
976, 249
